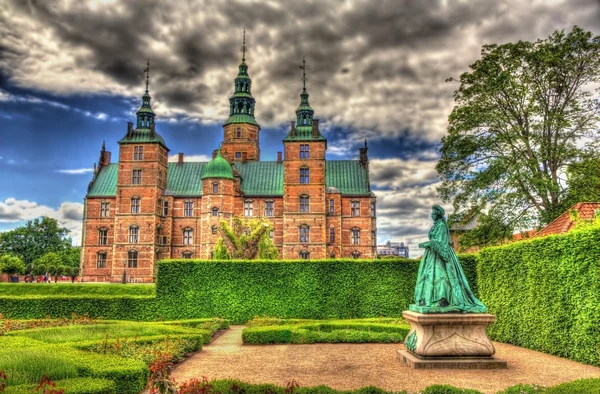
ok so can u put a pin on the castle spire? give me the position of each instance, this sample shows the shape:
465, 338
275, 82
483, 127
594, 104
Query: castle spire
147, 71
145, 115
303, 67
241, 103
244, 47
304, 113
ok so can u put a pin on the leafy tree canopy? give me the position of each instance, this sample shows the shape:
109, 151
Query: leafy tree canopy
246, 239
521, 117
583, 179
11, 265
34, 239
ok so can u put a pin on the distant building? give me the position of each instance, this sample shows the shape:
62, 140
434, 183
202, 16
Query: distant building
393, 249
565, 222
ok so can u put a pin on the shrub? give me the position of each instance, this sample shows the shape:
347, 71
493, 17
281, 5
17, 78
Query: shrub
445, 389
11, 265
545, 294
577, 386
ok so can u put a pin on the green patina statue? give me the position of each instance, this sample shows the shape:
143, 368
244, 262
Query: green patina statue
441, 284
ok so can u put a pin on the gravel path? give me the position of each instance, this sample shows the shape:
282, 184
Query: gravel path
351, 366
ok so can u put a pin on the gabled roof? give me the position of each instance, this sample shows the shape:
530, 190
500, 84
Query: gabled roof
260, 178
564, 223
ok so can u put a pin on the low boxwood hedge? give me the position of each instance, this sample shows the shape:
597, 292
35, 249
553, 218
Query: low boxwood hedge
72, 386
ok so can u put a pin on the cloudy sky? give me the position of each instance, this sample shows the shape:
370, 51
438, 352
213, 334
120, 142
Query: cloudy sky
71, 76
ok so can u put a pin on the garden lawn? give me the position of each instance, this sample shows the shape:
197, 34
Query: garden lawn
74, 289
372, 330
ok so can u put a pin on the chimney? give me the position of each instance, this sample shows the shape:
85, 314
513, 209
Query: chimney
279, 159
129, 129
293, 130
180, 158
214, 154
152, 131
315, 127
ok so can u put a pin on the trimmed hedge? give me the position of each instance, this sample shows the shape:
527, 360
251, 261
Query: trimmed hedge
545, 294
72, 386
75, 289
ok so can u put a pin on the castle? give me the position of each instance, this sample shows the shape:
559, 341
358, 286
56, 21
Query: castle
143, 208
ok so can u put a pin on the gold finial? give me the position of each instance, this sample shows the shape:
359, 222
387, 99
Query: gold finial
147, 71
303, 67
244, 47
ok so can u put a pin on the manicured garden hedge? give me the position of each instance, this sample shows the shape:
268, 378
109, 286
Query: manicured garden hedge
545, 294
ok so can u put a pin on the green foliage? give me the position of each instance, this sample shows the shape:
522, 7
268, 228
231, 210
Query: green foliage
72, 386
545, 294
524, 389
328, 331
446, 389
246, 239
583, 178
40, 269
11, 265
74, 289
49, 260
34, 239
490, 231
576, 386
70, 257
519, 115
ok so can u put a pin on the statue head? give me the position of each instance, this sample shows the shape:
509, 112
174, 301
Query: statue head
437, 212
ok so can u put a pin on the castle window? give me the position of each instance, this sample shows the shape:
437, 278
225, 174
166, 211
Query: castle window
135, 205
187, 236
304, 233
304, 151
187, 255
134, 234
304, 174
304, 203
160, 238
304, 254
215, 188
213, 229
355, 255
248, 208
268, 208
331, 235
104, 209
102, 236
355, 208
373, 210
138, 153
137, 177
238, 133
165, 208
355, 236
373, 238
215, 211
132, 259
331, 206
101, 260
238, 155
188, 208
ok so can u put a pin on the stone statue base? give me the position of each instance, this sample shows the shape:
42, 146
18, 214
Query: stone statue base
449, 340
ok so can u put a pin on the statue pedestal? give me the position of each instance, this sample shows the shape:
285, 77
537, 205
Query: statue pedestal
449, 340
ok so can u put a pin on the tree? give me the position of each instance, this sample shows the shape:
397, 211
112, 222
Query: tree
70, 256
51, 259
34, 239
583, 179
11, 265
518, 118
40, 269
247, 239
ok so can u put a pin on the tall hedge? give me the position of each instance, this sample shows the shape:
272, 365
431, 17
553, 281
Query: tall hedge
545, 294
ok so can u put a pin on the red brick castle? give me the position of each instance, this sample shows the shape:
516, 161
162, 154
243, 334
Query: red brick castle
143, 208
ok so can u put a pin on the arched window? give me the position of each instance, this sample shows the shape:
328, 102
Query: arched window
134, 234
103, 236
101, 260
304, 203
136, 177
132, 259
135, 204
304, 254
187, 255
355, 236
304, 233
304, 174
188, 235
215, 211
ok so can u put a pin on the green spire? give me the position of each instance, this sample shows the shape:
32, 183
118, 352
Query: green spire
218, 168
145, 115
304, 113
241, 103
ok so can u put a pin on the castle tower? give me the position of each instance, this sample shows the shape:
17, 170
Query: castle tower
240, 131
141, 181
304, 215
217, 201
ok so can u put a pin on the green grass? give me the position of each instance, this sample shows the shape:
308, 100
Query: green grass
74, 289
383, 330
29, 365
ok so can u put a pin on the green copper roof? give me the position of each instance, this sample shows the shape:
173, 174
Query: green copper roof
139, 136
261, 178
348, 176
241, 118
145, 110
106, 182
304, 133
241, 94
218, 168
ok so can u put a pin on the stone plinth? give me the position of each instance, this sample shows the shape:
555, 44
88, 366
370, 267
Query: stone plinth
449, 340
